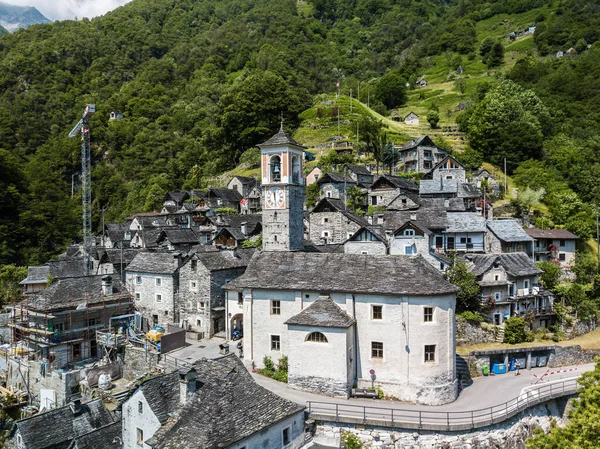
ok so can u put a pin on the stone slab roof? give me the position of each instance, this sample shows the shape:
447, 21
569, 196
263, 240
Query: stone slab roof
57, 428
281, 138
226, 259
396, 182
336, 178
558, 234
358, 169
468, 190
36, 275
166, 262
465, 222
432, 186
116, 231
508, 231
228, 407
230, 195
424, 218
515, 264
245, 180
73, 292
107, 437
179, 236
324, 313
334, 272
162, 394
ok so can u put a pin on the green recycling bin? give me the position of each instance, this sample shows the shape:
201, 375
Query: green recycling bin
485, 370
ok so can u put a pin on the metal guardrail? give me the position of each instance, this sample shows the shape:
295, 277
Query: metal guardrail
440, 421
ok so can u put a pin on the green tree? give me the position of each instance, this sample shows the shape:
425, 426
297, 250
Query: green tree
10, 276
312, 192
527, 198
585, 266
486, 46
582, 430
515, 330
510, 123
356, 199
495, 58
467, 298
391, 89
550, 276
433, 117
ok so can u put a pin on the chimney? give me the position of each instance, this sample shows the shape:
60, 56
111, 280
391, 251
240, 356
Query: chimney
76, 405
446, 204
107, 285
413, 216
219, 219
244, 228
187, 385
370, 219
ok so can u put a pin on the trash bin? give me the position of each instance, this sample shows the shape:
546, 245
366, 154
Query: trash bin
224, 348
534, 361
542, 360
498, 368
485, 370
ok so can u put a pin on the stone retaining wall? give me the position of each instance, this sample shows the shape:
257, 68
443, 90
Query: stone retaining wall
138, 362
571, 355
470, 333
508, 435
319, 385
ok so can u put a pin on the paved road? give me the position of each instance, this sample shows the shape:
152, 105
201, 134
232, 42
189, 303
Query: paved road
484, 392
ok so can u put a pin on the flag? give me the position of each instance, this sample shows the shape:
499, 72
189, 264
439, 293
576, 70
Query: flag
243, 202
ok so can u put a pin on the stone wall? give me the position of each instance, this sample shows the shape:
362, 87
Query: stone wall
319, 385
469, 333
138, 362
337, 226
571, 355
508, 435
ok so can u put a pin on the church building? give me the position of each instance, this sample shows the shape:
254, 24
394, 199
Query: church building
343, 320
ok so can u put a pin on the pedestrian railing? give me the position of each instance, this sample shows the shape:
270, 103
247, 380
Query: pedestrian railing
437, 420
174, 362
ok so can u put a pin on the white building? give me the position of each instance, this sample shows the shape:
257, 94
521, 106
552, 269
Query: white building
553, 244
210, 405
350, 319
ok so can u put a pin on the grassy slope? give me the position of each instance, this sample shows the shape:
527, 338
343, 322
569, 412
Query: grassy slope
441, 91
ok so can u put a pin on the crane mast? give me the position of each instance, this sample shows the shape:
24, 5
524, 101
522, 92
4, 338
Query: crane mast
86, 182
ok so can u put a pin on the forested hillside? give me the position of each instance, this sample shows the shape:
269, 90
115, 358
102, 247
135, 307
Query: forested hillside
198, 82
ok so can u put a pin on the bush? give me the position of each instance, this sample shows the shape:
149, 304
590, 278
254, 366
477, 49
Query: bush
379, 393
269, 365
351, 441
283, 364
514, 330
559, 336
226, 211
472, 316
280, 376
251, 157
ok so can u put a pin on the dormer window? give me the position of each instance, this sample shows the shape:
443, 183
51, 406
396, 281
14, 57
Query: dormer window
275, 169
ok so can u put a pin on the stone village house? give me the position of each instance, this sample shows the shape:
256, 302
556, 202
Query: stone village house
509, 287
63, 426
215, 403
59, 323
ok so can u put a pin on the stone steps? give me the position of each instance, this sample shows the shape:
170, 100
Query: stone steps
500, 335
463, 373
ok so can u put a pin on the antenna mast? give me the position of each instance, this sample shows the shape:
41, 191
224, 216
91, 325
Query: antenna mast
86, 181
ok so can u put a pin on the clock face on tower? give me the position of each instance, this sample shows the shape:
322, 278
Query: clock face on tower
274, 197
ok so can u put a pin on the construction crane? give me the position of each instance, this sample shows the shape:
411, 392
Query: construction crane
86, 181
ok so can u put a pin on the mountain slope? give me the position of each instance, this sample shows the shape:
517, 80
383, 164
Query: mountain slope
13, 17
199, 82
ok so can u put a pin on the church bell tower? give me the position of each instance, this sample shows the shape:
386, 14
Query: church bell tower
283, 193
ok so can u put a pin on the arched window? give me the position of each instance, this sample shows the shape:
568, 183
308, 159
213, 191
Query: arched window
316, 337
295, 169
275, 169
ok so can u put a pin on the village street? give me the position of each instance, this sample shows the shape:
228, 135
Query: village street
484, 392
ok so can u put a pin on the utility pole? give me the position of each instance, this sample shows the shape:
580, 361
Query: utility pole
598, 236
505, 192
86, 181
358, 93
350, 101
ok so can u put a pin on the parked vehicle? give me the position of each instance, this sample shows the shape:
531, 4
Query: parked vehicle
237, 334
